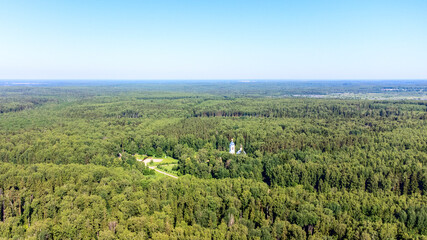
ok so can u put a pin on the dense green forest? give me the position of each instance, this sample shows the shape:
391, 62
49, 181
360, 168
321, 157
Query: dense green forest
315, 168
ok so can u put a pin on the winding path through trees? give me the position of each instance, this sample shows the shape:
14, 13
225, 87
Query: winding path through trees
167, 174
148, 160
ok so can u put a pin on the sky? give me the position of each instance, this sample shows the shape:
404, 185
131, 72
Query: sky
221, 39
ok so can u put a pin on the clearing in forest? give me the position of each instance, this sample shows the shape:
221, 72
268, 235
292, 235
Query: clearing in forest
166, 164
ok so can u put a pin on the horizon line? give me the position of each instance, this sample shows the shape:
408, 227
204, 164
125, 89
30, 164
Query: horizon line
232, 79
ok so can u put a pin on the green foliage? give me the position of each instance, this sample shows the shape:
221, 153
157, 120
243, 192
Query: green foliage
314, 168
77, 201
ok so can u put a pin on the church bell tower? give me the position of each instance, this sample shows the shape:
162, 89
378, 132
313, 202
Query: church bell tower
232, 147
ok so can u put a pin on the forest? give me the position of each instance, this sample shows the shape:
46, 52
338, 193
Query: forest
317, 166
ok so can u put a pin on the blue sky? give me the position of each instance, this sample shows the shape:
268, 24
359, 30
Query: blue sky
300, 39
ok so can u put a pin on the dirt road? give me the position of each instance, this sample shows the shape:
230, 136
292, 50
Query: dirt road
148, 160
165, 173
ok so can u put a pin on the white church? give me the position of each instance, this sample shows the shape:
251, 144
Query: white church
233, 149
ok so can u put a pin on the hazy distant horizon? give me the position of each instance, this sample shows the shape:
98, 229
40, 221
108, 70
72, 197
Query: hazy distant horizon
16, 81
241, 80
210, 82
